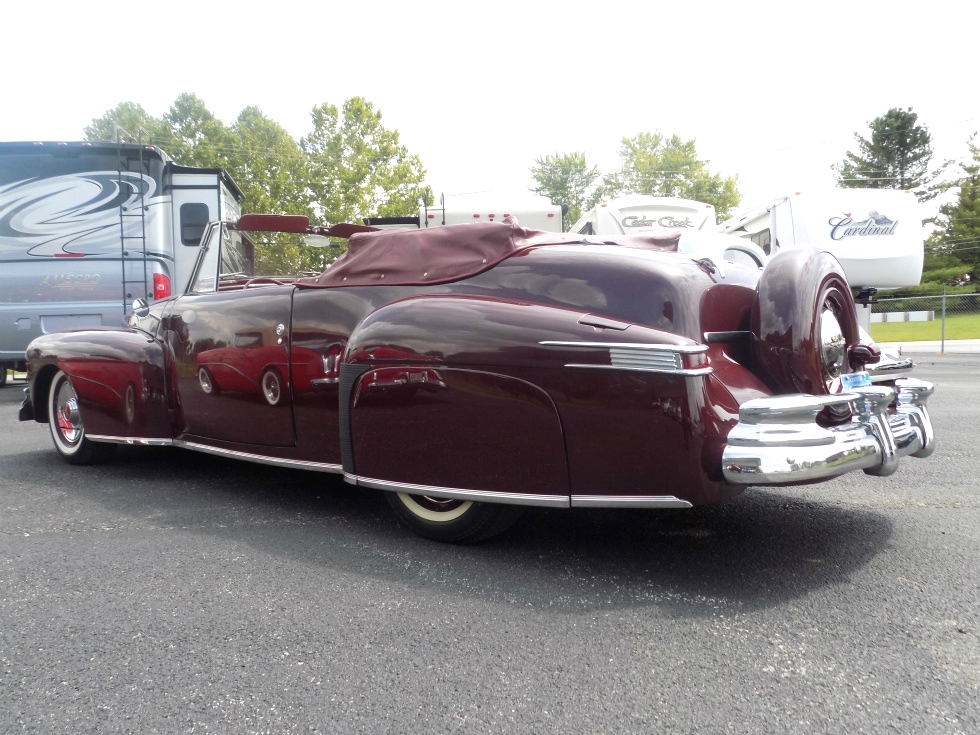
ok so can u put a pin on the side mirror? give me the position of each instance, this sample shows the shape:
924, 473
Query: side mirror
141, 308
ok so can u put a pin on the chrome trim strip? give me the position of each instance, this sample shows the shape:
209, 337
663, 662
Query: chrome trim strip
654, 358
482, 496
211, 366
628, 501
685, 349
131, 440
298, 464
690, 372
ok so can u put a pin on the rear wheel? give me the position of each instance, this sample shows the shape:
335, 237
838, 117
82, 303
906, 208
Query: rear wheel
65, 423
452, 521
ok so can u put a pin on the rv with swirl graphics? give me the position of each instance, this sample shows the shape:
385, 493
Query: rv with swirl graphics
87, 227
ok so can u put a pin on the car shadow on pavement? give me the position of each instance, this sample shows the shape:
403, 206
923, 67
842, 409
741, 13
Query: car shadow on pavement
754, 552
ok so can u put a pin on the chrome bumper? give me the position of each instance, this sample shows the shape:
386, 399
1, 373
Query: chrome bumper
889, 367
777, 440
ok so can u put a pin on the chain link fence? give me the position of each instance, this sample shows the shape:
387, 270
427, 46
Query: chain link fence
920, 318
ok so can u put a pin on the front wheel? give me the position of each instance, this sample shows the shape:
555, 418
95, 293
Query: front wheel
65, 423
452, 521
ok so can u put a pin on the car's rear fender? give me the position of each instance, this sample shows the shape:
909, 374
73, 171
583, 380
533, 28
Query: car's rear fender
443, 390
436, 402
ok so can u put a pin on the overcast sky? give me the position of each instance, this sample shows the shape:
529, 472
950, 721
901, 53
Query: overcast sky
771, 92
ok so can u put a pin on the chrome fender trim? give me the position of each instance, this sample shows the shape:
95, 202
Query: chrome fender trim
628, 501
548, 501
131, 440
297, 464
777, 440
481, 496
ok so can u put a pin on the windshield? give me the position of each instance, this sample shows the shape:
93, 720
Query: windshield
231, 257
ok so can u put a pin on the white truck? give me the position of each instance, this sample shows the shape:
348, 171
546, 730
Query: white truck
87, 227
875, 234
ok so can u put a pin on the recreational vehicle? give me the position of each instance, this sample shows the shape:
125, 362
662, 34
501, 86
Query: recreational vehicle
87, 227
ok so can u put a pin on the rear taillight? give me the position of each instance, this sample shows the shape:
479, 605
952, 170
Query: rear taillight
161, 286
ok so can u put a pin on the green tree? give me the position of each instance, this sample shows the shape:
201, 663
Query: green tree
128, 122
349, 167
198, 138
272, 173
357, 167
566, 180
954, 250
668, 167
269, 166
896, 155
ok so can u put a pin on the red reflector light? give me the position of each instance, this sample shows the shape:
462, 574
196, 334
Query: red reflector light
161, 286
476, 216
431, 216
69, 255
551, 214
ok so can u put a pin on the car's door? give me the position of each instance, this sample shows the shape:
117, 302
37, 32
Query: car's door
231, 353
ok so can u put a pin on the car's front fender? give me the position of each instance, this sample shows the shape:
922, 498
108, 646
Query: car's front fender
117, 374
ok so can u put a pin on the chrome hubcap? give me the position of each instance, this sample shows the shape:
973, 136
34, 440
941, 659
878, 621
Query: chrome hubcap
271, 388
69, 420
833, 346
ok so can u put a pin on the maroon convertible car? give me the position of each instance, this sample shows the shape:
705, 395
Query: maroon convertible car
472, 370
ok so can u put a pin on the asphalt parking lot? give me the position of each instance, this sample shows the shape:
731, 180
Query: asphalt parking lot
172, 592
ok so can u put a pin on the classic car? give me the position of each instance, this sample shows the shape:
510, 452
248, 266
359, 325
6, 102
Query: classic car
472, 370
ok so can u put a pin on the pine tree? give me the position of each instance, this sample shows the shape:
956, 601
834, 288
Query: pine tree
959, 236
897, 155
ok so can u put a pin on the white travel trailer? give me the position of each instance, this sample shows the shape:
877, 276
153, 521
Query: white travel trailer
534, 213
631, 215
875, 234
88, 227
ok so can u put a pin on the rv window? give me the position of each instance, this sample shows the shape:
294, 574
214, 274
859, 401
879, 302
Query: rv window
193, 218
762, 238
